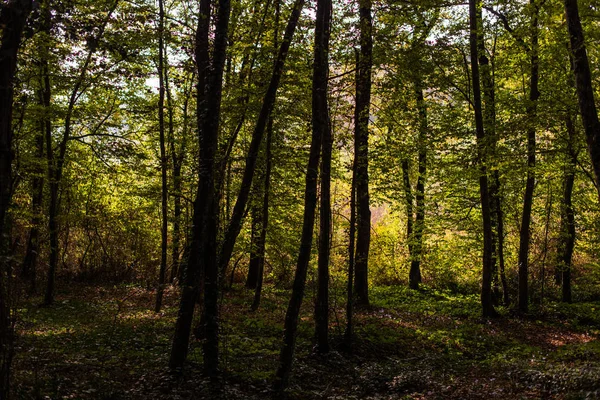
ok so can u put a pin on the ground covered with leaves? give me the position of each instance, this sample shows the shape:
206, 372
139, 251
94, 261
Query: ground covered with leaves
107, 343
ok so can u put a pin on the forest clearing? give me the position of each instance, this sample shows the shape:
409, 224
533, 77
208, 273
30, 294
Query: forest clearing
250, 199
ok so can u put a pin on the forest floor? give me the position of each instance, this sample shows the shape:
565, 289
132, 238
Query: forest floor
107, 343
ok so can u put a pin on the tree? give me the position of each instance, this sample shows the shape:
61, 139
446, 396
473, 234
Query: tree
534, 94
321, 123
13, 17
361, 149
482, 153
583, 84
202, 253
163, 159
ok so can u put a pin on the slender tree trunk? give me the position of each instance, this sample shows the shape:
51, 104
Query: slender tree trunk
13, 16
177, 156
482, 153
267, 186
310, 204
257, 219
265, 219
489, 122
583, 83
29, 268
235, 224
505, 294
361, 118
202, 246
567, 218
351, 250
163, 160
530, 184
409, 207
322, 124
417, 249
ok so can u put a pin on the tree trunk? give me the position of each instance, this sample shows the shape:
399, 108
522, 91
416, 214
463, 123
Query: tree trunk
361, 148
417, 246
567, 217
482, 154
583, 83
505, 294
202, 247
13, 16
489, 122
530, 184
351, 250
163, 160
322, 124
265, 219
409, 207
29, 268
267, 185
255, 236
310, 203
177, 156
235, 224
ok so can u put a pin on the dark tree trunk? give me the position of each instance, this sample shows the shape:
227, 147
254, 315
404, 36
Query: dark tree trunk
202, 253
310, 204
267, 187
235, 224
567, 219
409, 207
417, 245
583, 83
482, 154
351, 250
530, 184
163, 160
322, 124
506, 296
177, 157
29, 268
254, 263
361, 148
265, 219
13, 16
489, 122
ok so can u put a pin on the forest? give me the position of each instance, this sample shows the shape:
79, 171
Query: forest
250, 199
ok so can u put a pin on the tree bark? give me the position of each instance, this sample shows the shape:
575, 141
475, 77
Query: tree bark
202, 247
409, 207
310, 204
531, 148
417, 246
163, 160
361, 134
583, 84
13, 16
348, 334
567, 218
489, 122
322, 124
482, 154
29, 268
177, 157
265, 219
